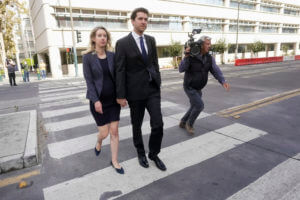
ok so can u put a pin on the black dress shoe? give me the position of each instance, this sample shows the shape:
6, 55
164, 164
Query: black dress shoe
118, 170
97, 152
159, 164
143, 161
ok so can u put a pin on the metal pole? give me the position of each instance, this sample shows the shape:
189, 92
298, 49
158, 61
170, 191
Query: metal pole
74, 43
237, 31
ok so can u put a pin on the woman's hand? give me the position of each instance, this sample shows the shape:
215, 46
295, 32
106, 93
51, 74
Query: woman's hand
98, 107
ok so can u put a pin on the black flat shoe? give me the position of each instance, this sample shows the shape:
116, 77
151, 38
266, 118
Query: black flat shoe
159, 164
120, 171
97, 152
143, 161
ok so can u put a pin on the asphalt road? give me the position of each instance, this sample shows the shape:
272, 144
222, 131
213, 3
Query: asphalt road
245, 146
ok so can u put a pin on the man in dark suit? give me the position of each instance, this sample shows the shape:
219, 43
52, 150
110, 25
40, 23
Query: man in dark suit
138, 82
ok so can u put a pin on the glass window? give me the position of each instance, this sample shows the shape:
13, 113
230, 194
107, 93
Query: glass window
101, 12
268, 29
270, 47
162, 52
165, 22
290, 46
207, 24
289, 30
88, 12
269, 9
244, 5
291, 12
75, 10
60, 10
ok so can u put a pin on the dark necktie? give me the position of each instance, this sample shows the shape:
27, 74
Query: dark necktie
144, 53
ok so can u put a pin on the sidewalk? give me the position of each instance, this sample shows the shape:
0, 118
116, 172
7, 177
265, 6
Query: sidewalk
18, 140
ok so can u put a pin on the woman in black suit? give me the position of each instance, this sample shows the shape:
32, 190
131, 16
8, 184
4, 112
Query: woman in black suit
98, 68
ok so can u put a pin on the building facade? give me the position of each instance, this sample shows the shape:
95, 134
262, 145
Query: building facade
275, 23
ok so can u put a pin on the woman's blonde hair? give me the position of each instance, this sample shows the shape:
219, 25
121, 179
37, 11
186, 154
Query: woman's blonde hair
92, 45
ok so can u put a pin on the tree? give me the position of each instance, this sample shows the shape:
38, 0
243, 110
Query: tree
8, 19
257, 47
220, 47
285, 49
174, 50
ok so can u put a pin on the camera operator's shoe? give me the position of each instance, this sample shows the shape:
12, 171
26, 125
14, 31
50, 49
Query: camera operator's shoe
189, 128
182, 124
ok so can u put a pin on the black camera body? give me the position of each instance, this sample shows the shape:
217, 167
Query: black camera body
194, 45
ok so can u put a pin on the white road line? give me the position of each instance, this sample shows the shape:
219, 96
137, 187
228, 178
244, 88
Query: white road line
62, 93
66, 102
87, 120
60, 112
186, 154
78, 96
61, 89
69, 147
280, 183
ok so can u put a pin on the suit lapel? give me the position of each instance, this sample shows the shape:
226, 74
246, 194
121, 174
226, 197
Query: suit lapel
96, 61
134, 45
149, 46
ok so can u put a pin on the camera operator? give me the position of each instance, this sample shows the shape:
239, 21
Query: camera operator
196, 68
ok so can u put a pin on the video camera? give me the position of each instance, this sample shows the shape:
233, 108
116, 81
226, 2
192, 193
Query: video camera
195, 46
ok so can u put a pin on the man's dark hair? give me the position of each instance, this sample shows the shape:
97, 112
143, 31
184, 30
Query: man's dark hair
135, 11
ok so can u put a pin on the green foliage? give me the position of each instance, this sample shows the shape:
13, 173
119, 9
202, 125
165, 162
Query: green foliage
9, 18
220, 46
28, 61
175, 49
257, 47
285, 49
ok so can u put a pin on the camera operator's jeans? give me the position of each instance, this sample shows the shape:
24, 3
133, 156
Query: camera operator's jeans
196, 105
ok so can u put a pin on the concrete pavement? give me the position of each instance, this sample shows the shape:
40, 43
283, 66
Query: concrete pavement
18, 140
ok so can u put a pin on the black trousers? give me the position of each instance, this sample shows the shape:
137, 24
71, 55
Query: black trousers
137, 111
12, 77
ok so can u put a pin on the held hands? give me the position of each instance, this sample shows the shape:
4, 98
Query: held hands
98, 107
122, 102
226, 86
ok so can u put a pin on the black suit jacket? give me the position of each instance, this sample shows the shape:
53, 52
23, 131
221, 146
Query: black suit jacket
132, 72
93, 74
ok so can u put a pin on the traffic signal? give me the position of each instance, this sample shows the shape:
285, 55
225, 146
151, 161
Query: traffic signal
78, 34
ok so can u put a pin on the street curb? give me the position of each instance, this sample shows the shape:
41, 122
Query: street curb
29, 157
30, 153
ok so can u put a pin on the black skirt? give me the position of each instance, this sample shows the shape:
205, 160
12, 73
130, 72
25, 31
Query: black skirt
110, 114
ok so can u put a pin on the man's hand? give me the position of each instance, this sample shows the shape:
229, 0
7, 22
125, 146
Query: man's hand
187, 52
226, 86
122, 102
98, 107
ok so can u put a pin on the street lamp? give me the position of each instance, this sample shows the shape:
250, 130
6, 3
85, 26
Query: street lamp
237, 30
73, 39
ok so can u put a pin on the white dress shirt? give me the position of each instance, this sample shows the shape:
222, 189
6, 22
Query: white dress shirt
137, 40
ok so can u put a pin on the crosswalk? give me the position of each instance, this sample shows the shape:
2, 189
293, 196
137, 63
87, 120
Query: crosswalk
63, 108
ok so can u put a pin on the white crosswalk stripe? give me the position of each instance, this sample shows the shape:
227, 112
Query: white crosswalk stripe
65, 148
63, 103
60, 89
187, 153
69, 96
80, 91
60, 112
280, 183
86, 120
